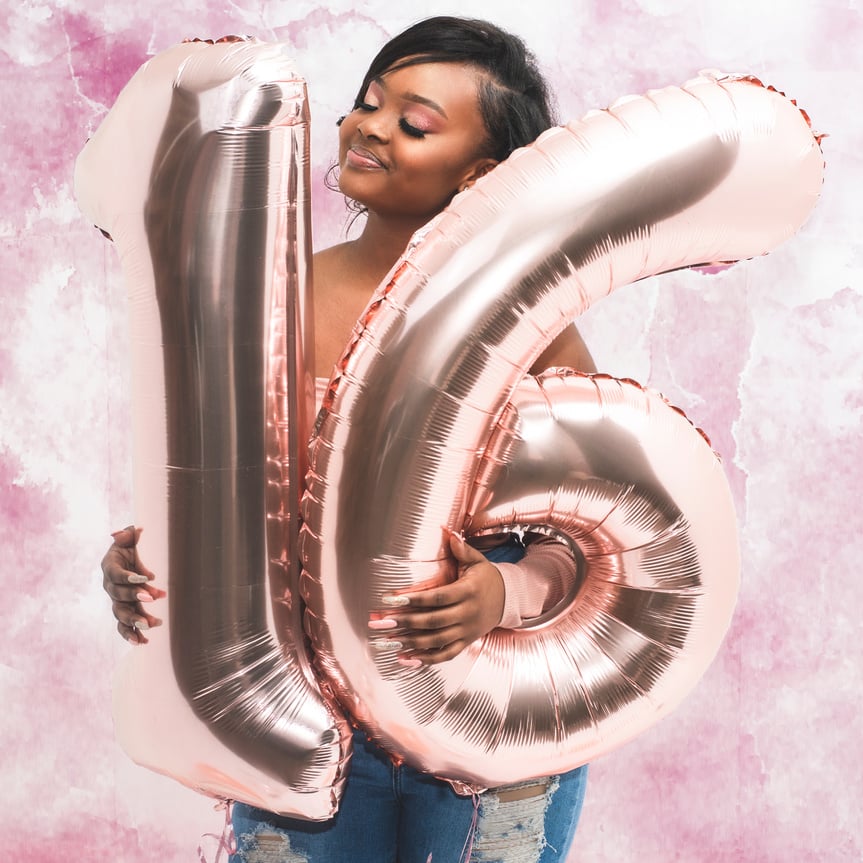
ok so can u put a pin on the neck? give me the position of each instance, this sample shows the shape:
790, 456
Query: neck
383, 241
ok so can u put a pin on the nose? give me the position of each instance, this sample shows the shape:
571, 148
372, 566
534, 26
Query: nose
374, 127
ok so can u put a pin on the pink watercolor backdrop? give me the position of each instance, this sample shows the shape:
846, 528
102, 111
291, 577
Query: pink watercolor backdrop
762, 762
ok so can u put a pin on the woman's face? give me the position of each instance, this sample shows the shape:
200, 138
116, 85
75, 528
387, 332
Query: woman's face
414, 140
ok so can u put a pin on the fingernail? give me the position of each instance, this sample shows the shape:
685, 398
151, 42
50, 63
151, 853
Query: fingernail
408, 663
387, 645
135, 578
386, 623
141, 624
143, 596
395, 601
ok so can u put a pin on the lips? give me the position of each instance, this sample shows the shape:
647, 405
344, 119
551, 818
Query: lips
360, 157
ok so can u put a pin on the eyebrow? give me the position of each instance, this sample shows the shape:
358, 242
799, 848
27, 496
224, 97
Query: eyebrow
414, 97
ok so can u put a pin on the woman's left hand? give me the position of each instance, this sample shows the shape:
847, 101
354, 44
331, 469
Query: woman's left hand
436, 624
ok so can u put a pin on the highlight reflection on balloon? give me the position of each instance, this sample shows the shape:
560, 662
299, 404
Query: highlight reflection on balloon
719, 170
200, 175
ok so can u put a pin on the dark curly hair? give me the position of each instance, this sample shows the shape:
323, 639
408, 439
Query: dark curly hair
514, 98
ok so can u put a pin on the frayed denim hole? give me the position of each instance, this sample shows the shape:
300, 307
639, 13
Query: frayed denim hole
512, 831
267, 845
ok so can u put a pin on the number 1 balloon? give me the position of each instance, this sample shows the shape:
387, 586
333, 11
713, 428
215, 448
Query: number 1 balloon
200, 175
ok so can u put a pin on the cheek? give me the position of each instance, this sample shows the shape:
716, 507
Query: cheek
436, 167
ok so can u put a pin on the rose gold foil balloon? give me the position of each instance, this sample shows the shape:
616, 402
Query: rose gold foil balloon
427, 424
200, 174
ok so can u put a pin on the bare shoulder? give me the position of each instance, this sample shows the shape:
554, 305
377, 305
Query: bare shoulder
568, 349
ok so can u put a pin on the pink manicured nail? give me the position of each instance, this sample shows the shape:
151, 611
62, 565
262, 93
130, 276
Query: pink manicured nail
143, 597
137, 578
396, 601
387, 645
408, 663
386, 623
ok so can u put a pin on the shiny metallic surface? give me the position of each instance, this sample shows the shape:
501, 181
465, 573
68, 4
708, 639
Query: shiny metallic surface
200, 175
426, 416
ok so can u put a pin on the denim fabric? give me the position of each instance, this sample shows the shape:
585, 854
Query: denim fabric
391, 814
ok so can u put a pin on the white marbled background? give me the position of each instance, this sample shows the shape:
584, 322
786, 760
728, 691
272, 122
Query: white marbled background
762, 763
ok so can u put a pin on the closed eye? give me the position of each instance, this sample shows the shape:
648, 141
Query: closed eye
408, 129
404, 125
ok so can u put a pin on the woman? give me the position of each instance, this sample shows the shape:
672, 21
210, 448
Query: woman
439, 107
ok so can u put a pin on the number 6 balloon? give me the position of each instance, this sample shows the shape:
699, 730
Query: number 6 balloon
425, 417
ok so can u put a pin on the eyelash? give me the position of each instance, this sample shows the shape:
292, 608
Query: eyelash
410, 130
406, 127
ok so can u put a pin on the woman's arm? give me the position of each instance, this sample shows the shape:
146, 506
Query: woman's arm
434, 625
540, 580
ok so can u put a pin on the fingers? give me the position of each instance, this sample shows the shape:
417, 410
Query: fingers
123, 572
432, 648
127, 582
126, 537
133, 634
439, 619
124, 553
429, 637
438, 607
133, 593
434, 657
130, 616
433, 640
436, 624
423, 649
433, 597
457, 591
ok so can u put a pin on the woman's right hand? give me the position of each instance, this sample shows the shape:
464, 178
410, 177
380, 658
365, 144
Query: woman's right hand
126, 581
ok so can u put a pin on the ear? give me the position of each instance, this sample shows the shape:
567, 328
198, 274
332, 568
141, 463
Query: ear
479, 169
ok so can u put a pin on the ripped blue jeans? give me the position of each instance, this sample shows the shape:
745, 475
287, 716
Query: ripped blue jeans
391, 814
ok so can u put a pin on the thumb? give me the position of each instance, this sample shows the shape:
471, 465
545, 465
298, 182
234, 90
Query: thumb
465, 554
